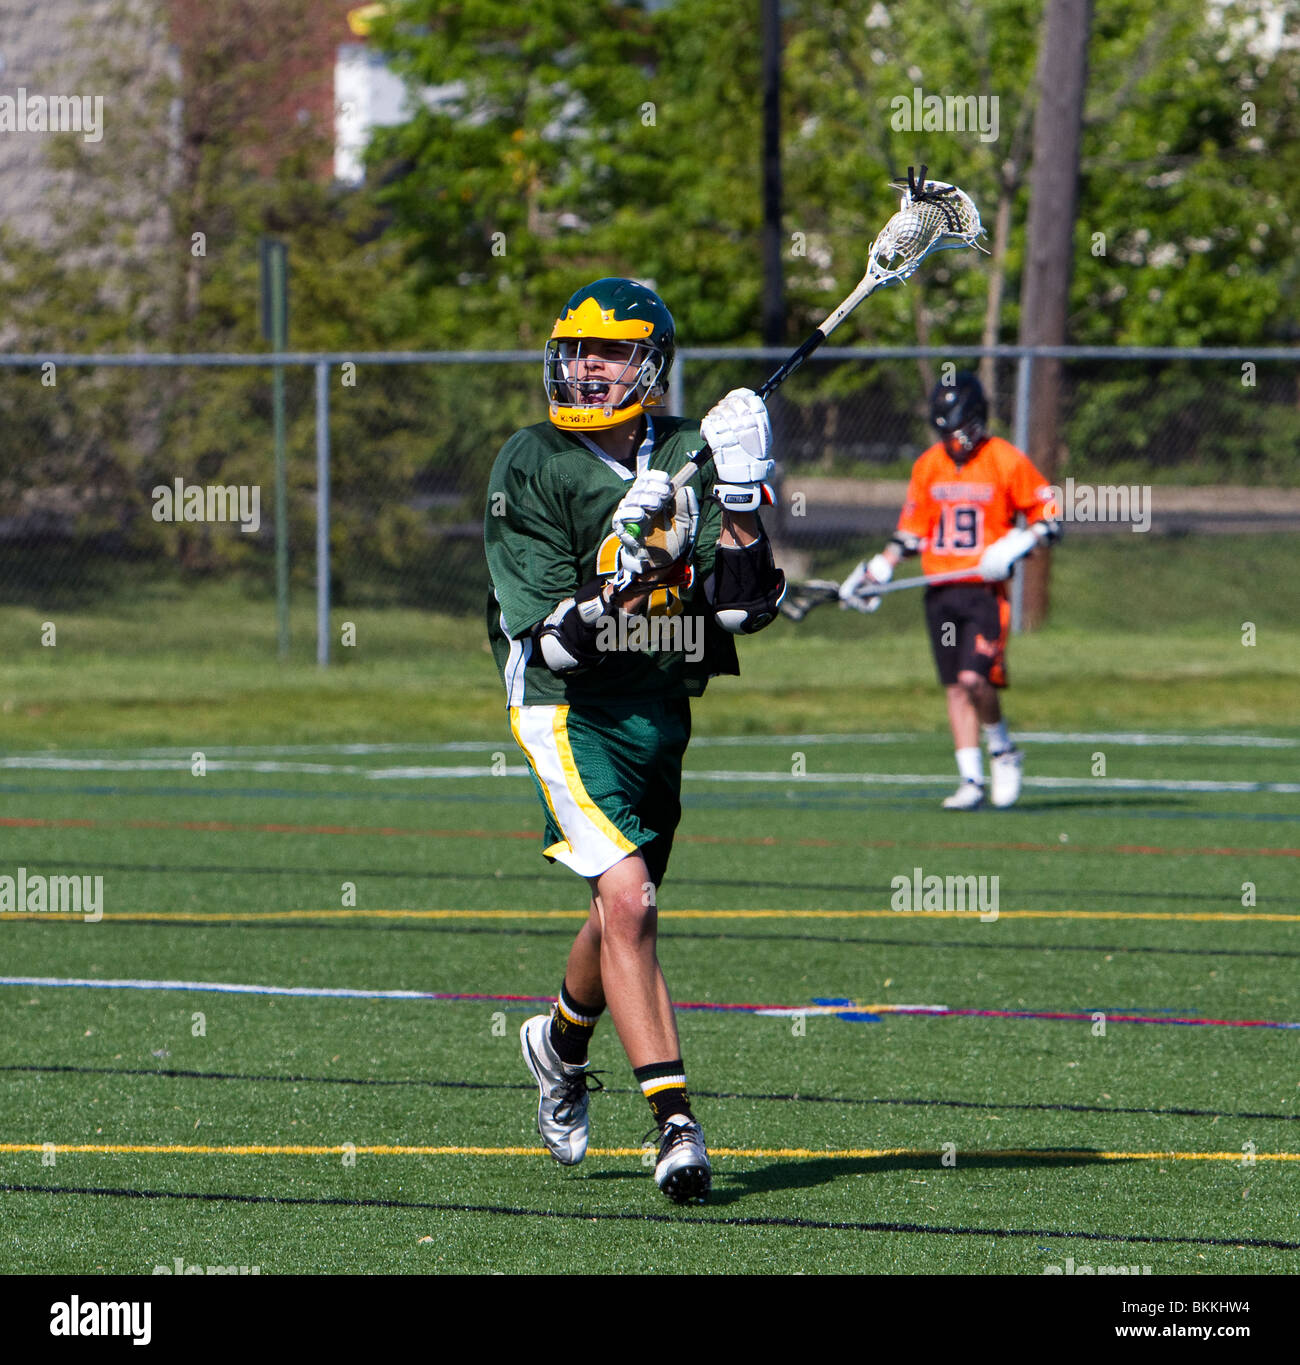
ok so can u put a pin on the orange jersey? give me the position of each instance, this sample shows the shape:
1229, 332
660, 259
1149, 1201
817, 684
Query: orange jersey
957, 511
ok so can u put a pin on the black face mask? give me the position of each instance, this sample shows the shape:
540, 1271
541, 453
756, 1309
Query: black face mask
964, 443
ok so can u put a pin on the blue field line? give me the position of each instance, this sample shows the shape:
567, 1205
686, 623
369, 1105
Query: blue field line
847, 1014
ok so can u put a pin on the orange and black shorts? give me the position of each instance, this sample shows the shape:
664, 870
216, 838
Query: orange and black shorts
969, 624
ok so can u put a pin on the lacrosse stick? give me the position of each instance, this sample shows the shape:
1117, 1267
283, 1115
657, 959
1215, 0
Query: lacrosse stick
932, 216
821, 592
801, 598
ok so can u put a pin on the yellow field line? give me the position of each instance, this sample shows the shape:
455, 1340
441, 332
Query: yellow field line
226, 917
789, 1153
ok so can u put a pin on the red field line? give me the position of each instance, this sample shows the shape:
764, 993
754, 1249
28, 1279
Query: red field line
236, 827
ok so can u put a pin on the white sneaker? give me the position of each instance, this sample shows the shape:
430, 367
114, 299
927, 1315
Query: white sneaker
1006, 768
969, 796
683, 1171
562, 1108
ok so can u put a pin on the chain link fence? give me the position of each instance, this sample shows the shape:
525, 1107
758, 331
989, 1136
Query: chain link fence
110, 463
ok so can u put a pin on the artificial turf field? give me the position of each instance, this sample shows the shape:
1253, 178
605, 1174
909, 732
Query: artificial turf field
829, 1133
813, 782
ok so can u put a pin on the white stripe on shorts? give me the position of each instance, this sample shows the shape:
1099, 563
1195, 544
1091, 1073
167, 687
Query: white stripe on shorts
592, 844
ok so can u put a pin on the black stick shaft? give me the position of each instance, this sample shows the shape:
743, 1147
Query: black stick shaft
703, 457
792, 364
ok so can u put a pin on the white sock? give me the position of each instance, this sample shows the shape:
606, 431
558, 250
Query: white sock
970, 764
996, 737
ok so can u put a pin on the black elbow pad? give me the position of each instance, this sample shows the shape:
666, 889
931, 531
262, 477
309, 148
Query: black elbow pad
745, 588
906, 543
569, 638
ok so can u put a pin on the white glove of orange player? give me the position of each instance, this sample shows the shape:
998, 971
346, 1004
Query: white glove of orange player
853, 591
996, 562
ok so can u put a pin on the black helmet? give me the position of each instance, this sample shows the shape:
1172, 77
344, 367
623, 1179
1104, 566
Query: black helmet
960, 412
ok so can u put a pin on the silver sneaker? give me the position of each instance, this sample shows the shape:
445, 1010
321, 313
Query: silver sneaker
683, 1172
562, 1108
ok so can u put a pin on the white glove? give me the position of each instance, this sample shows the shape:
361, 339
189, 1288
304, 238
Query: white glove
995, 563
739, 433
666, 537
878, 570
647, 495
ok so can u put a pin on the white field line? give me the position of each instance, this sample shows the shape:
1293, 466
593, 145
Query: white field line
224, 987
1119, 738
55, 763
181, 764
1049, 783
1126, 739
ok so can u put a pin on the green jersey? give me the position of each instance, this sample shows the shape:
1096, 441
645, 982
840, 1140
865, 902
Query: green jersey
551, 499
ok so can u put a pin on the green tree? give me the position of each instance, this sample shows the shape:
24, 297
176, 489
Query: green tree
509, 158
158, 251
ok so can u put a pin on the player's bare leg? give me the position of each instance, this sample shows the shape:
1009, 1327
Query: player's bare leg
962, 715
1005, 762
623, 925
582, 972
983, 696
555, 1048
631, 980
972, 701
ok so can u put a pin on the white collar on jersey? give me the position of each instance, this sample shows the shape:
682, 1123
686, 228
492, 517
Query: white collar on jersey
642, 456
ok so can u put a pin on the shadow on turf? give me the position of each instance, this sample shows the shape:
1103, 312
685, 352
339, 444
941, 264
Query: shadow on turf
170, 1073
807, 1173
1114, 804
854, 888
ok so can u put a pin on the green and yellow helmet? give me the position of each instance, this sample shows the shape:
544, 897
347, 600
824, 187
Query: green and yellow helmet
609, 310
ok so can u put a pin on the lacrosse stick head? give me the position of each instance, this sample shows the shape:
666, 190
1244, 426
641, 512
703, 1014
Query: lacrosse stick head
932, 216
801, 598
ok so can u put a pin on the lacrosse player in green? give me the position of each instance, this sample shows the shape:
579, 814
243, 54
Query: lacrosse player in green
599, 686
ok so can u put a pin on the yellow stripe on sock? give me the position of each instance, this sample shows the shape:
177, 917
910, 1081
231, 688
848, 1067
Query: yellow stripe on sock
578, 1020
657, 1087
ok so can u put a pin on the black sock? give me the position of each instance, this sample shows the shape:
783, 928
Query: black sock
572, 1025
664, 1086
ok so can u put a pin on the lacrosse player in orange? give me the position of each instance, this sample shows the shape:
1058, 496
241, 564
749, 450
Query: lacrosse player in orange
960, 514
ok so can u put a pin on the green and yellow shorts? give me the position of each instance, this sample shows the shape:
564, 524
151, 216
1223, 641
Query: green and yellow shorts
610, 780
